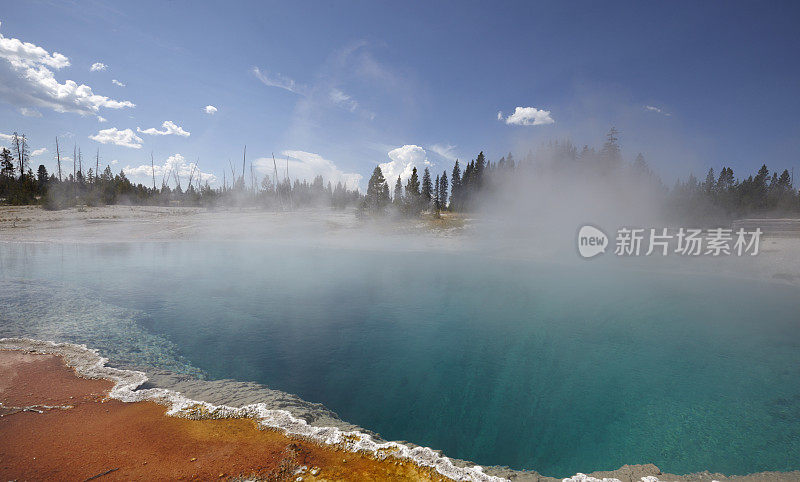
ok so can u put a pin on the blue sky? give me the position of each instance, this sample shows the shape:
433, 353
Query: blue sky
340, 87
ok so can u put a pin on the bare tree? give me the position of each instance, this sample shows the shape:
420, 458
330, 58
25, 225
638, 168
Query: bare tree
275, 180
244, 156
233, 175
20, 143
153, 168
177, 176
191, 175
58, 158
252, 179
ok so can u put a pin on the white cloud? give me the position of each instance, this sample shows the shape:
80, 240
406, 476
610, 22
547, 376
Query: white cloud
170, 128
20, 53
499, 115
306, 165
27, 112
210, 109
117, 83
98, 67
446, 151
528, 116
125, 138
101, 119
656, 109
174, 163
5, 140
27, 80
279, 81
39, 152
403, 161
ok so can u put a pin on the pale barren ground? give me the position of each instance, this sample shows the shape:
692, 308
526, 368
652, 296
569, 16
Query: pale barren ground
155, 223
778, 259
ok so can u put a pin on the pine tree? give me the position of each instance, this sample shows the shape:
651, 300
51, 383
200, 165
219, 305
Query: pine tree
398, 192
412, 185
427, 189
443, 191
510, 165
640, 167
6, 163
761, 178
41, 177
709, 184
610, 153
377, 193
725, 181
467, 187
785, 181
480, 167
412, 195
455, 188
436, 196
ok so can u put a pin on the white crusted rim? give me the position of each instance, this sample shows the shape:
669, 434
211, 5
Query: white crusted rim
88, 363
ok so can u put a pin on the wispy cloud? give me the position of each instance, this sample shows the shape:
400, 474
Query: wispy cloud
28, 112
117, 83
39, 152
340, 98
124, 138
279, 81
335, 95
527, 116
170, 128
210, 109
98, 67
658, 110
446, 151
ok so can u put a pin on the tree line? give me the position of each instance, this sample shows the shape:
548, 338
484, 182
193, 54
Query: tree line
718, 197
432, 195
91, 187
464, 188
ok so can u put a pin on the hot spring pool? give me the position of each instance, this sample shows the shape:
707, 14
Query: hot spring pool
524, 364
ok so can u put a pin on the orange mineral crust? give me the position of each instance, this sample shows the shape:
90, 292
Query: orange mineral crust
57, 426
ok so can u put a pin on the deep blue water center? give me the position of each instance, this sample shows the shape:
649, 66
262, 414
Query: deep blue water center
534, 366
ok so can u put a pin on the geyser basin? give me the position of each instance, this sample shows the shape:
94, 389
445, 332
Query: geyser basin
553, 368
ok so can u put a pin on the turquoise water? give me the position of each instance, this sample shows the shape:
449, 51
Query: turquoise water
557, 369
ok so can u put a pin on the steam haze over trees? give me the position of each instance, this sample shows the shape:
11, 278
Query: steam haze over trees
720, 196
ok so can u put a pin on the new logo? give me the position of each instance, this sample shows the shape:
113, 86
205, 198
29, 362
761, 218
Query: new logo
591, 241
